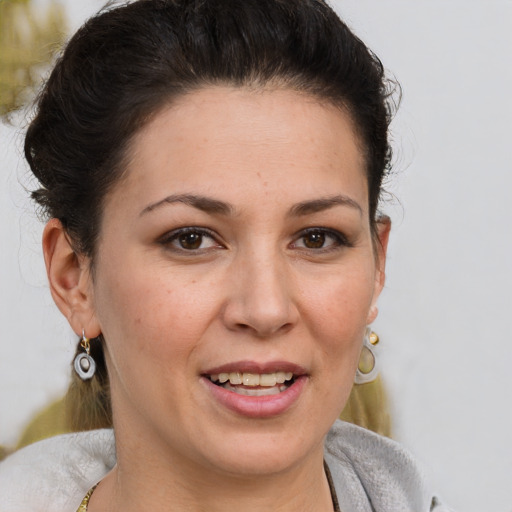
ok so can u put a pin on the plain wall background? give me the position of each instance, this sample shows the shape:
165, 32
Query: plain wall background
444, 315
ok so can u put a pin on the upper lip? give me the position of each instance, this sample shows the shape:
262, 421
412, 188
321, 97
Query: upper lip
259, 368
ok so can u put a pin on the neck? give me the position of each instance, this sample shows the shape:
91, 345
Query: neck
145, 480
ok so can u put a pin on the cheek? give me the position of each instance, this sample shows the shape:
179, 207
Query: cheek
339, 321
338, 306
338, 310
151, 316
152, 327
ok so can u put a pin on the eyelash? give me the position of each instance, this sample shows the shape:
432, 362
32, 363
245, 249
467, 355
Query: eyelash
173, 236
338, 238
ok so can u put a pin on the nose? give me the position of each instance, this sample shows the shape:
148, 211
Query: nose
261, 297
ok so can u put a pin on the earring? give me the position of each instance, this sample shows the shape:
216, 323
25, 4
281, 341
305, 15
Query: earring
85, 365
367, 368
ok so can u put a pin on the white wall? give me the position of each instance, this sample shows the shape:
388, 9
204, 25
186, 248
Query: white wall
446, 345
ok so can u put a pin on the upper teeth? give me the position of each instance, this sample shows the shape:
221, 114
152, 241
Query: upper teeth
252, 379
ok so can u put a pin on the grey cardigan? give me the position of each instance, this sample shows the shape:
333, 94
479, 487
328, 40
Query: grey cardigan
370, 473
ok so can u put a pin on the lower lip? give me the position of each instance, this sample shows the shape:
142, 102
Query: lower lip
257, 406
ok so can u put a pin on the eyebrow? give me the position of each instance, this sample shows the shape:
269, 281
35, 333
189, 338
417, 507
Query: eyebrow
206, 204
214, 206
319, 205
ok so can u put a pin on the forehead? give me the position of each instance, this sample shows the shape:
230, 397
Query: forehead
224, 140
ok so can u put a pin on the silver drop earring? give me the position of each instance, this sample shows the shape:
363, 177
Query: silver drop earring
84, 364
367, 369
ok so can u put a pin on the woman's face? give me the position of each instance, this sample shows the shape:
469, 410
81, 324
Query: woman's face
234, 278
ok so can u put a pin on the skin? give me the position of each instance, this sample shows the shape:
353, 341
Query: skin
257, 288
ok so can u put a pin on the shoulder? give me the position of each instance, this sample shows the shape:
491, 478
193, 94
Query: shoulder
371, 472
55, 474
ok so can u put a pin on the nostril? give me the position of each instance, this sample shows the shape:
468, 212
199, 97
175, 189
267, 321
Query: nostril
265, 331
243, 327
285, 328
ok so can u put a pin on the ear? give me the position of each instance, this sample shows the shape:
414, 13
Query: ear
70, 280
381, 247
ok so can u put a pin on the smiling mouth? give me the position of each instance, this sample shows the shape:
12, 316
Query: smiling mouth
254, 384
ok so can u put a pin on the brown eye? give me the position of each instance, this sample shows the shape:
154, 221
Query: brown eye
320, 240
194, 240
314, 240
190, 241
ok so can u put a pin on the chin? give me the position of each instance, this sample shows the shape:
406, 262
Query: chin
260, 453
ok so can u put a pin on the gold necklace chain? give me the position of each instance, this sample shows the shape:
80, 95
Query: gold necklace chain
85, 502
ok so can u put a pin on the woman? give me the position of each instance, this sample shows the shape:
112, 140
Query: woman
211, 170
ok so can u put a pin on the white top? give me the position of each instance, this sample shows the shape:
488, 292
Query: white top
370, 473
